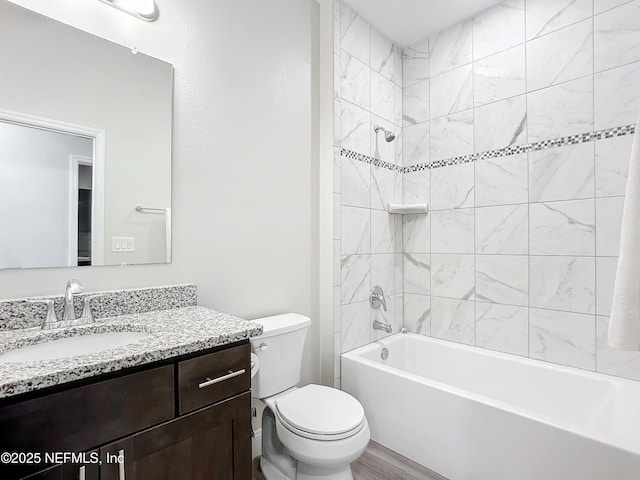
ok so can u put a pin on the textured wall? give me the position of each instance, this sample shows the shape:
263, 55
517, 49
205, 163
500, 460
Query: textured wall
242, 154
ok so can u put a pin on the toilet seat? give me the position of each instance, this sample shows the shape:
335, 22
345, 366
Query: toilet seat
320, 413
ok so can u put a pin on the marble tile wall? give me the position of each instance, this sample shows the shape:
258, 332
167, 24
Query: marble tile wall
518, 253
367, 240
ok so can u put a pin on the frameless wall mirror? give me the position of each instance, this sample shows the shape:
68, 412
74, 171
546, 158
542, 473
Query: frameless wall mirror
85, 138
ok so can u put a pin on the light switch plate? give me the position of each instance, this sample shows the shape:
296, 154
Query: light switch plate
123, 244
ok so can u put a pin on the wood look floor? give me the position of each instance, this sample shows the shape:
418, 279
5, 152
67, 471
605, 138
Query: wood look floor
378, 463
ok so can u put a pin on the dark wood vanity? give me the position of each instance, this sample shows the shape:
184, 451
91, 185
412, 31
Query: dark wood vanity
184, 418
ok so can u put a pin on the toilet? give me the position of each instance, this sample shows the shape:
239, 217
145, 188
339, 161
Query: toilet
308, 433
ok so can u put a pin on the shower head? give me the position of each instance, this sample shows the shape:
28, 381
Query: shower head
388, 136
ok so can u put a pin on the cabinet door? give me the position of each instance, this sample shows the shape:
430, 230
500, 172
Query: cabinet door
82, 418
211, 443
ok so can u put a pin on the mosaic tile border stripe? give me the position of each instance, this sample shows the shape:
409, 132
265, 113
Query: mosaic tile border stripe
360, 157
501, 152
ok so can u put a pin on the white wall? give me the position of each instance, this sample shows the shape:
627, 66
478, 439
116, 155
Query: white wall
242, 154
34, 195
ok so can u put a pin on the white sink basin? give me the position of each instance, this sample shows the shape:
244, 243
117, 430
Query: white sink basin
72, 346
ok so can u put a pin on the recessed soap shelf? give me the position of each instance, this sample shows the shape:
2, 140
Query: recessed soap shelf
408, 209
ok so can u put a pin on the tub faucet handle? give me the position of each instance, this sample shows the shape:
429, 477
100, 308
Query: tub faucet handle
376, 298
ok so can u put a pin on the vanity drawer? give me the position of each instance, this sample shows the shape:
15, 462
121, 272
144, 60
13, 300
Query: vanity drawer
210, 378
78, 419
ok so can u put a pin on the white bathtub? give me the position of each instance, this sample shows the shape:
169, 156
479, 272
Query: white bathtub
473, 414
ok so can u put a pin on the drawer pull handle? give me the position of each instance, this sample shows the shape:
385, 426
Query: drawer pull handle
222, 378
81, 473
121, 465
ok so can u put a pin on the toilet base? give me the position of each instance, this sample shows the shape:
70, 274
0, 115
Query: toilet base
306, 472
276, 463
270, 472
311, 472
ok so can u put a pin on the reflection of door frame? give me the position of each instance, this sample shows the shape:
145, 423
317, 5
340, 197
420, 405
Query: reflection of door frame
99, 158
75, 161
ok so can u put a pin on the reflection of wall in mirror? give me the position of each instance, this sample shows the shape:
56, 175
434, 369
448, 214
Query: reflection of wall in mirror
64, 74
34, 195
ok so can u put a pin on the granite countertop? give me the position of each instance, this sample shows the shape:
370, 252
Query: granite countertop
173, 332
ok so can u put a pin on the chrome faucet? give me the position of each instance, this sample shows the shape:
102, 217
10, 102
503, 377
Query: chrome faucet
73, 287
378, 325
69, 319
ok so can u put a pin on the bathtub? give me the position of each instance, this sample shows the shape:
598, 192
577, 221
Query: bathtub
472, 414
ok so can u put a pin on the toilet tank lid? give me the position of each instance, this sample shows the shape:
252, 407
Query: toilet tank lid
278, 324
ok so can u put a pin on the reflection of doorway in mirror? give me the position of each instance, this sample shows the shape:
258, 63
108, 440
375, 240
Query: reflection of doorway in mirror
80, 192
51, 193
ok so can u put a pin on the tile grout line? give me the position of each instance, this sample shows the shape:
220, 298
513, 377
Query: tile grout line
369, 328
505, 304
526, 88
473, 133
338, 93
398, 233
595, 203
429, 77
582, 199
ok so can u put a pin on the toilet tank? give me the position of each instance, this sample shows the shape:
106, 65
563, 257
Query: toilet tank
279, 350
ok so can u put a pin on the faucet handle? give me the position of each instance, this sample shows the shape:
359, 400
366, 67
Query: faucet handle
86, 307
376, 298
51, 317
384, 302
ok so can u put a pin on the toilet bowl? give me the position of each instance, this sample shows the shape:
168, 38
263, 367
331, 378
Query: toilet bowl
308, 433
322, 428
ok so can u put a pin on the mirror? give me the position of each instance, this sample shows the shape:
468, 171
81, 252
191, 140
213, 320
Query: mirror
85, 138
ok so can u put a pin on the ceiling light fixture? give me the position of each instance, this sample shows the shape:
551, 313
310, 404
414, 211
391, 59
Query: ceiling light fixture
146, 10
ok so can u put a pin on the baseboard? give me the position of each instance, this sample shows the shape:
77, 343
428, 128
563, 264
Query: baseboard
256, 443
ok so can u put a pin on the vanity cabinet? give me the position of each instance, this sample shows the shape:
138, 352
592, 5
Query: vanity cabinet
206, 444
186, 418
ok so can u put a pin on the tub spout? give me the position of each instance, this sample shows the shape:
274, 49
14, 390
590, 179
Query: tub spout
378, 325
